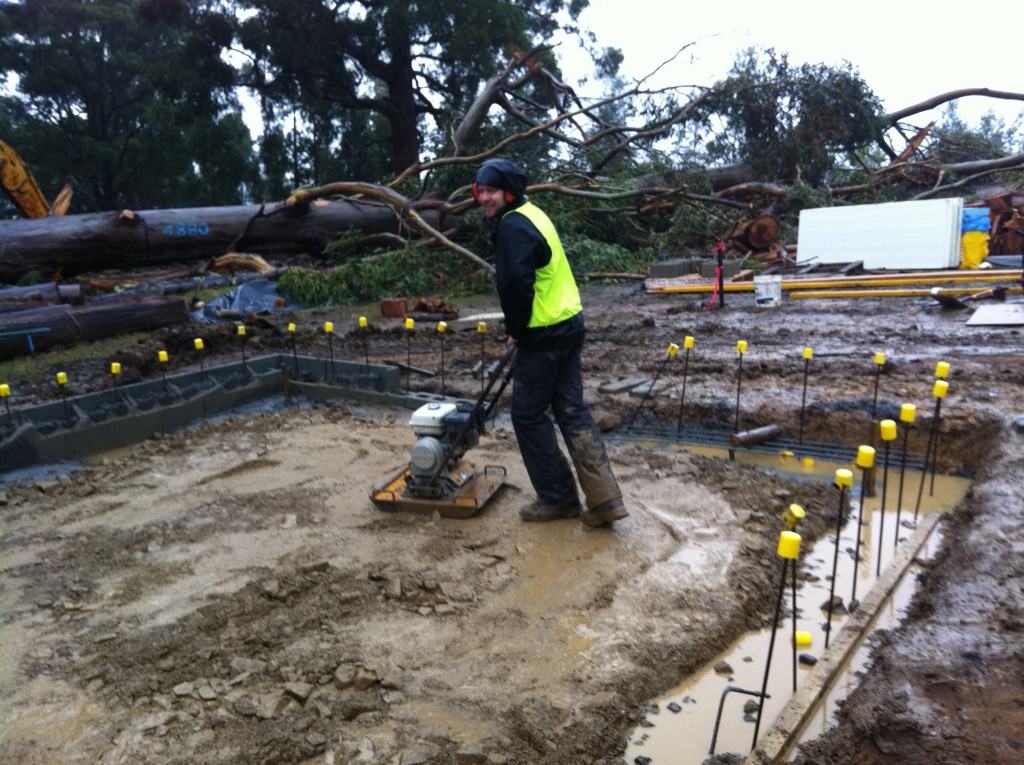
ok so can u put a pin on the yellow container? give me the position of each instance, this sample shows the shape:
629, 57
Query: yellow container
973, 248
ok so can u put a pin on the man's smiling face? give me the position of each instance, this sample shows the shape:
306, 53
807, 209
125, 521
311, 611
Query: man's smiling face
492, 200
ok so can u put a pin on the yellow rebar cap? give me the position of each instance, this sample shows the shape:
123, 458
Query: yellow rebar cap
887, 428
808, 353
942, 369
865, 456
792, 515
940, 389
789, 545
908, 412
741, 346
687, 342
844, 477
802, 638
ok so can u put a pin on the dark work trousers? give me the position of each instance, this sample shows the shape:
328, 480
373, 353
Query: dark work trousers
546, 378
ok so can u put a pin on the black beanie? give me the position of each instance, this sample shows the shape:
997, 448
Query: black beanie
504, 175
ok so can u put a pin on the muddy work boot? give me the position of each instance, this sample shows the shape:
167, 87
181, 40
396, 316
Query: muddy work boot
605, 513
541, 511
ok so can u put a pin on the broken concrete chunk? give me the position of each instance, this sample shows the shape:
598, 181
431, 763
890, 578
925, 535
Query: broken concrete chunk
621, 386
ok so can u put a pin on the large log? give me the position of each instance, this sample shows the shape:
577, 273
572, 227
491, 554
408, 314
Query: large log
41, 328
756, 234
38, 295
75, 244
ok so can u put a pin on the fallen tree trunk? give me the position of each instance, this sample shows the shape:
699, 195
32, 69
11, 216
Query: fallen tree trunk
756, 234
195, 283
38, 295
76, 244
24, 332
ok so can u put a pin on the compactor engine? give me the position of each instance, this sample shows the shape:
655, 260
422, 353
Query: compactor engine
438, 478
445, 432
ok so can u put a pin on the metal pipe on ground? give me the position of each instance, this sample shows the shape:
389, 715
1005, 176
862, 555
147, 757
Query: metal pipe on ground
755, 436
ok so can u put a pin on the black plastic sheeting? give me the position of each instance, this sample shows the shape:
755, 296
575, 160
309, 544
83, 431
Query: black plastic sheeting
256, 297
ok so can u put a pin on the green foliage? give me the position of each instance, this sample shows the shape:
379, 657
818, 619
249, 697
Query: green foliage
382, 74
692, 227
402, 273
591, 256
790, 122
414, 272
801, 196
953, 140
131, 98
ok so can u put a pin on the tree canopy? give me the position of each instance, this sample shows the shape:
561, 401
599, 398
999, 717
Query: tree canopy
381, 73
132, 99
140, 101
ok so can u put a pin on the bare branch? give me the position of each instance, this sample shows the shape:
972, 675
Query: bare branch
893, 117
400, 204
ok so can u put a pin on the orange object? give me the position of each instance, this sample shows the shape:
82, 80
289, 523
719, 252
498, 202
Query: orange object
393, 308
20, 185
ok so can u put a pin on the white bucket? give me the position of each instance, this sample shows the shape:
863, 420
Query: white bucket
767, 291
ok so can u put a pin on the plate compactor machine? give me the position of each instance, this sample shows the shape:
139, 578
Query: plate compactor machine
438, 478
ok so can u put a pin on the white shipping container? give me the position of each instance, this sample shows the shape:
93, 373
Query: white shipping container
892, 235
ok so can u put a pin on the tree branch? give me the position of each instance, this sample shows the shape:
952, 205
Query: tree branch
893, 117
400, 204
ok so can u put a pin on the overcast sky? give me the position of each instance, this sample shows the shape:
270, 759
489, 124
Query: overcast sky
905, 52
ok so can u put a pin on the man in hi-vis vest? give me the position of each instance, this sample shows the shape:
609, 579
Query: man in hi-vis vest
544, 319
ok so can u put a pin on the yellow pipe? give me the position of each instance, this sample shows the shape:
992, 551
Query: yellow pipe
865, 293
868, 280
897, 281
694, 288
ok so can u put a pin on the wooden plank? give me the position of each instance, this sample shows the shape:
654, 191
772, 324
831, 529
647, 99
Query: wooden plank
998, 315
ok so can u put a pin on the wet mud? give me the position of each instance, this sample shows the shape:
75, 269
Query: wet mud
229, 593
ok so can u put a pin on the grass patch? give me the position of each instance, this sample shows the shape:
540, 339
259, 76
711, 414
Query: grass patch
46, 363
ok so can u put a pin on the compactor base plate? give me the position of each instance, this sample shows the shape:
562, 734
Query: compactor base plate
472, 489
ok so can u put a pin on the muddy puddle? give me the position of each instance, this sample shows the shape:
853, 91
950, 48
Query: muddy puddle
680, 727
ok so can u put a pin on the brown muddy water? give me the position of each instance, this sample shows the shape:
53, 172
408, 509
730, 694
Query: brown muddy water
680, 726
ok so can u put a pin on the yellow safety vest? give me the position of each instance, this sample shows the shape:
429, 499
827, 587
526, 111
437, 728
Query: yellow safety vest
555, 295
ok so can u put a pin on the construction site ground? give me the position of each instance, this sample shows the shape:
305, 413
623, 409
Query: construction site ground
228, 593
